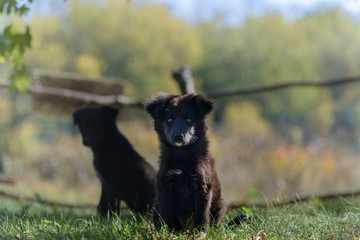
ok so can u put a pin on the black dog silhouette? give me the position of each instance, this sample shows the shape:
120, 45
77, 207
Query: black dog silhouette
123, 173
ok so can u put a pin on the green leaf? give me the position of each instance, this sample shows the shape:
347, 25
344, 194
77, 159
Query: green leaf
23, 10
19, 41
28, 37
10, 6
7, 32
247, 210
19, 78
19, 81
4, 44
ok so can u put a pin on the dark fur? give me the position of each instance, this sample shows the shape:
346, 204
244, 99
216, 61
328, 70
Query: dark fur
123, 173
188, 188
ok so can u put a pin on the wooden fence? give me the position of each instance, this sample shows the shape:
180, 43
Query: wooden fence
184, 78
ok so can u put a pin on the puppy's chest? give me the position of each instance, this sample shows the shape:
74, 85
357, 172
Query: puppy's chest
179, 180
183, 186
180, 176
107, 169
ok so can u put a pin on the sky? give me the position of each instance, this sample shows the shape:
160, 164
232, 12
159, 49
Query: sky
236, 11
233, 11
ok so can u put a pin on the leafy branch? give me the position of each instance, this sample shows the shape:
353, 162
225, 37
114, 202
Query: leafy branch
13, 44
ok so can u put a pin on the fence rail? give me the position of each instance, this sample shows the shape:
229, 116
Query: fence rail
87, 98
7, 179
279, 202
184, 78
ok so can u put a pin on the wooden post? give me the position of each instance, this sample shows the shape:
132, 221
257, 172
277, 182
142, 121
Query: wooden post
7, 179
69, 84
184, 78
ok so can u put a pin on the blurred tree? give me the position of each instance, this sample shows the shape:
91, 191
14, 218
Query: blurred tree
244, 119
140, 43
49, 50
268, 49
17, 109
143, 42
335, 36
88, 65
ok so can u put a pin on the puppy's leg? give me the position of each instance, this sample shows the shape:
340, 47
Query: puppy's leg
156, 214
117, 205
202, 209
102, 206
108, 202
217, 211
167, 208
112, 206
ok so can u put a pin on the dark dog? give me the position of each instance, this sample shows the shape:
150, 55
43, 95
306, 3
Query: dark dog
123, 173
188, 189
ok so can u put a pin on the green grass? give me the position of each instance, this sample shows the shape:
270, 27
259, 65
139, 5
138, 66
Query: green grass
336, 219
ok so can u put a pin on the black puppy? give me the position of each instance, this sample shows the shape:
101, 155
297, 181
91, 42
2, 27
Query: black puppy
123, 173
188, 188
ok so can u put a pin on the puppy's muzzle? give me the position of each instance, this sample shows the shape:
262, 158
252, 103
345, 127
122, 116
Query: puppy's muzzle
178, 139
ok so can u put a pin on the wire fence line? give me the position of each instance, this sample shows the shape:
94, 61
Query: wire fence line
298, 199
38, 199
278, 202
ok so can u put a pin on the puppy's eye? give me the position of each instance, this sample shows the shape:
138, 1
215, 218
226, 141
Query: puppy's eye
170, 120
188, 120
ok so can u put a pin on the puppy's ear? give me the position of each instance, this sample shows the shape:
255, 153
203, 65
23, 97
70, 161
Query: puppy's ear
158, 102
111, 112
203, 106
76, 116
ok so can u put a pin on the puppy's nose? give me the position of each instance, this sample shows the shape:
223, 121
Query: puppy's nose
178, 138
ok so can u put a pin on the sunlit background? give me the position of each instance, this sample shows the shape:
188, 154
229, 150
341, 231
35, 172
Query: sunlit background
266, 145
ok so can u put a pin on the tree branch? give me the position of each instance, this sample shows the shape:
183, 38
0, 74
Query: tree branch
271, 87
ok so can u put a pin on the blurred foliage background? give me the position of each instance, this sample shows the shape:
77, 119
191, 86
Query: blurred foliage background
266, 145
